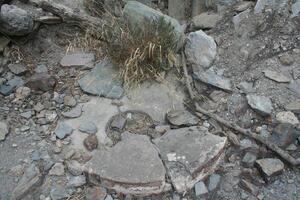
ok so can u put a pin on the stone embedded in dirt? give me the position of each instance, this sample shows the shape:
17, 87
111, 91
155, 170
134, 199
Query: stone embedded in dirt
41, 68
75, 168
276, 76
118, 122
287, 117
262, 4
41, 81
295, 87
249, 187
213, 181
249, 159
58, 169
76, 181
59, 192
182, 117
190, 154
138, 14
295, 9
200, 50
200, 188
30, 181
286, 59
132, 166
91, 142
22, 93
3, 130
83, 60
7, 88
39, 107
261, 104
73, 113
4, 41
211, 78
103, 81
246, 87
205, 21
95, 193
284, 134
270, 166
15, 21
293, 106
26, 115
162, 128
242, 6
63, 130
70, 101
88, 127
17, 68
109, 197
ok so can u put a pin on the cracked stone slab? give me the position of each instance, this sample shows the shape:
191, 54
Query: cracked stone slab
132, 166
190, 154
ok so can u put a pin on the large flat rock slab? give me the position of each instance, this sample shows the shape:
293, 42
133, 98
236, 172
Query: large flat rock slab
190, 154
131, 166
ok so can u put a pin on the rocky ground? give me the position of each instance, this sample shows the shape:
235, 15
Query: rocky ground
69, 130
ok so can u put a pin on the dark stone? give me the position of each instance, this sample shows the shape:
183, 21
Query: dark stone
91, 142
41, 81
284, 134
11, 85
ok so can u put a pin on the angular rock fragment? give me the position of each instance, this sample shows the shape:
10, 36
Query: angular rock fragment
73, 113
83, 60
17, 68
211, 78
205, 21
3, 130
284, 134
270, 166
274, 4
96, 193
200, 50
295, 87
88, 127
276, 76
41, 81
260, 103
7, 88
182, 117
200, 188
294, 106
190, 154
287, 117
103, 81
91, 142
132, 166
63, 130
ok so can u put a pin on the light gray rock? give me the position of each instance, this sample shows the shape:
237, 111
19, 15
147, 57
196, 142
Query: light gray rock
137, 14
7, 88
270, 166
177, 9
249, 159
58, 169
22, 93
15, 21
295, 87
74, 112
76, 181
30, 181
260, 103
284, 134
3, 130
294, 106
132, 162
4, 41
276, 76
75, 168
211, 78
41, 81
63, 130
88, 127
200, 50
109, 197
274, 4
70, 101
82, 60
287, 117
213, 181
205, 21
41, 68
96, 193
17, 68
200, 188
58, 192
27, 114
182, 117
103, 81
190, 154
246, 87
296, 9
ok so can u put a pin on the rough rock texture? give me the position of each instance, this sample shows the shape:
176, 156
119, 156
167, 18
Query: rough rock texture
41, 81
287, 117
205, 21
274, 4
182, 117
276, 76
131, 166
293, 106
15, 21
270, 166
82, 60
137, 14
200, 50
190, 154
3, 130
260, 103
11, 85
103, 81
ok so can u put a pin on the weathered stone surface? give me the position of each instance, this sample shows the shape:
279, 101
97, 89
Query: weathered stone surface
96, 193
58, 169
295, 87
41, 81
296, 9
88, 127
177, 9
270, 166
76, 181
200, 50
91, 142
286, 59
70, 101
3, 130
22, 93
260, 103
274, 4
75, 168
11, 85
249, 159
74, 112
213, 182
205, 21
82, 60
131, 166
30, 181
200, 188
63, 130
287, 117
15, 21
103, 81
137, 14
3, 43
284, 134
276, 76
253, 189
294, 106
17, 68
242, 6
182, 117
211, 78
190, 154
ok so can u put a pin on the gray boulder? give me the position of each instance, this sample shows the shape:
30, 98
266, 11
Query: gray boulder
15, 21
274, 4
138, 14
